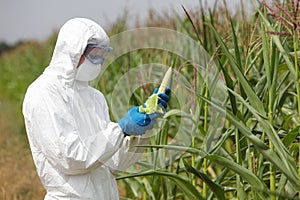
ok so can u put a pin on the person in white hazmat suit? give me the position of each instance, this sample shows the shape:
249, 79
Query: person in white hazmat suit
75, 146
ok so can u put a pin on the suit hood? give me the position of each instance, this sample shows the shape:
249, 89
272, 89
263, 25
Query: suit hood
72, 40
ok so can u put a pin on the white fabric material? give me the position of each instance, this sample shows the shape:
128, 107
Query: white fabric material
87, 71
74, 144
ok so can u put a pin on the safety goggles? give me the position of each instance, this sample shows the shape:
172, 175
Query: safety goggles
96, 53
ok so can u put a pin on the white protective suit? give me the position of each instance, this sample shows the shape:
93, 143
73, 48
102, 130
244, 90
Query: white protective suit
75, 146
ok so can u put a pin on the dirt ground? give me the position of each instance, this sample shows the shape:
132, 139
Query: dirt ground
18, 179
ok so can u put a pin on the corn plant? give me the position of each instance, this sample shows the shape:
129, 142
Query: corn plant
256, 156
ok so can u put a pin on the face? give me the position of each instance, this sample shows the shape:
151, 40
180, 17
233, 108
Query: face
95, 54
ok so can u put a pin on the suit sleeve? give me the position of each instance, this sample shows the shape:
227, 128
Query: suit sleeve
128, 154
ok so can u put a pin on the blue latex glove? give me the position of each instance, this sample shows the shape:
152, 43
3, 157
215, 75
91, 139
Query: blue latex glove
135, 123
163, 98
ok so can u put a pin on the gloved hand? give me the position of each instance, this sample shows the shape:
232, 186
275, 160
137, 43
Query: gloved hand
135, 123
163, 98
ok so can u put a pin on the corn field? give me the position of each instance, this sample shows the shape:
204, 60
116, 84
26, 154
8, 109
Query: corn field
232, 127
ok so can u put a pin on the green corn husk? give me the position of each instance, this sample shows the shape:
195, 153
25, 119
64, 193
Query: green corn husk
151, 103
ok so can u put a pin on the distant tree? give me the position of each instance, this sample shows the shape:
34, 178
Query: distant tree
4, 47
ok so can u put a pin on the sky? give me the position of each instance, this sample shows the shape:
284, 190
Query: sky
38, 19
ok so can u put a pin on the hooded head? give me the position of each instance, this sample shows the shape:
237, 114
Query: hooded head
72, 40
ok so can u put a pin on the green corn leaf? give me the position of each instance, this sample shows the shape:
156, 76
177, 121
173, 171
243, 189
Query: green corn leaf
237, 54
254, 100
282, 163
173, 112
216, 188
278, 43
253, 180
291, 136
190, 150
148, 188
229, 84
281, 150
186, 187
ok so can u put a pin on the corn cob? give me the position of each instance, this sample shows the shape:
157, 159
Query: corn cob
151, 105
